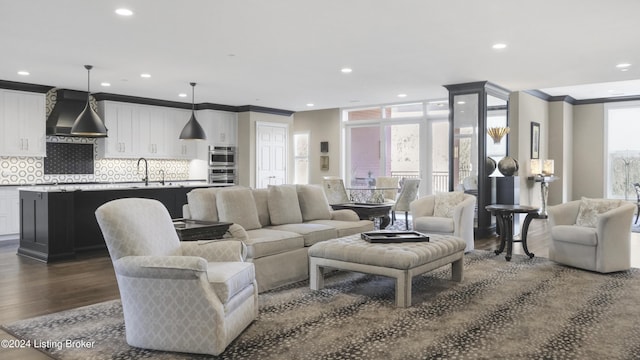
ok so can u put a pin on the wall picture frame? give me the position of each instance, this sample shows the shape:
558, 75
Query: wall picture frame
324, 146
535, 140
324, 163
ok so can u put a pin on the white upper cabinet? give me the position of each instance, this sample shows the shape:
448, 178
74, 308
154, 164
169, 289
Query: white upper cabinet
220, 126
122, 130
144, 131
181, 149
22, 120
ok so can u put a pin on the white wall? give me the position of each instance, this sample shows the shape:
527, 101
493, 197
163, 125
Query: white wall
322, 125
561, 151
588, 153
246, 150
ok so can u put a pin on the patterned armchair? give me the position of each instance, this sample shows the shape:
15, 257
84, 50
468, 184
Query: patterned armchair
191, 297
335, 191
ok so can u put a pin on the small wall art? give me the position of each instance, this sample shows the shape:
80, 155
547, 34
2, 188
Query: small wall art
535, 140
324, 163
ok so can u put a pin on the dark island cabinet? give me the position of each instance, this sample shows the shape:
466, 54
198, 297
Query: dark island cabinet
57, 225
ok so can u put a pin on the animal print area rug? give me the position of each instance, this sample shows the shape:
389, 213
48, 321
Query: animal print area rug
523, 309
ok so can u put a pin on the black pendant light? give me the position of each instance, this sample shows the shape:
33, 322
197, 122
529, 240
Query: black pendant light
192, 130
88, 123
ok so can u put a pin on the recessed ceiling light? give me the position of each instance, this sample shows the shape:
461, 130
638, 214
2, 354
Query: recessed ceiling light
499, 46
105, 84
145, 75
310, 104
124, 12
182, 95
23, 73
623, 65
346, 70
461, 102
402, 95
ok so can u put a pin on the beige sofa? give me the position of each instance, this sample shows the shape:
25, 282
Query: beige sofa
278, 225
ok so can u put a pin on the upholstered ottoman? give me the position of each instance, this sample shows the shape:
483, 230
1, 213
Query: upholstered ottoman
401, 261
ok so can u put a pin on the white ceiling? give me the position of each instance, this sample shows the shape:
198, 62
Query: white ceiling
287, 53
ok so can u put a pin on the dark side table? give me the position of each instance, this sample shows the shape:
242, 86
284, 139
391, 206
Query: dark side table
504, 217
192, 230
367, 211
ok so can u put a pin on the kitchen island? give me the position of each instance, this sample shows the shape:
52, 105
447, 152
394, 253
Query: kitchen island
57, 222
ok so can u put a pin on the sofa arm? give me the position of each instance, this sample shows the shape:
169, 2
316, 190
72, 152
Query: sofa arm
186, 213
563, 214
422, 206
616, 223
215, 250
161, 267
344, 215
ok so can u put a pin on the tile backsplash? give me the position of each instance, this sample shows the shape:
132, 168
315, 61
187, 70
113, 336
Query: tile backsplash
30, 170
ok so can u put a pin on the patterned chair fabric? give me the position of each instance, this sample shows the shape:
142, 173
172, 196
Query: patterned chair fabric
335, 191
450, 213
408, 193
391, 183
592, 234
193, 297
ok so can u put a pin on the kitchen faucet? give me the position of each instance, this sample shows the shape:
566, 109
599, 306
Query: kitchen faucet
146, 171
161, 172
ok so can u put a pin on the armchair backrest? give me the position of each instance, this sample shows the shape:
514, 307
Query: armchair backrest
335, 191
137, 227
389, 182
408, 193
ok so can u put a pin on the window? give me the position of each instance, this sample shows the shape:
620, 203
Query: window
401, 140
622, 149
301, 158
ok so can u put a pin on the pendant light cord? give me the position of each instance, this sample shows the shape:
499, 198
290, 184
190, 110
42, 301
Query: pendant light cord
88, 67
193, 97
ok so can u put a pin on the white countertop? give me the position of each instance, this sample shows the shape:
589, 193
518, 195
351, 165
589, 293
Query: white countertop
112, 186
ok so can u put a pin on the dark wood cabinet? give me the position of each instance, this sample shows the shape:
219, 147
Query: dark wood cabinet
56, 225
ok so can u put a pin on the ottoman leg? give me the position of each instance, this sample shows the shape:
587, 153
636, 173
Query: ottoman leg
316, 275
403, 291
457, 271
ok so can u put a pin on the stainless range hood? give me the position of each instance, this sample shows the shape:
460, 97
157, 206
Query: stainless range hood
69, 104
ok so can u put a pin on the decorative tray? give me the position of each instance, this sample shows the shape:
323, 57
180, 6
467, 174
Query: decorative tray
393, 236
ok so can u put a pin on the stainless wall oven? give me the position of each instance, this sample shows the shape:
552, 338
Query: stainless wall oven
222, 156
222, 175
222, 165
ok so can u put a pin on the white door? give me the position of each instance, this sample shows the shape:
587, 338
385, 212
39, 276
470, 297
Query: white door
271, 156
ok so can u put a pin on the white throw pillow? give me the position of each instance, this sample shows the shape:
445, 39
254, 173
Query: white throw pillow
591, 208
283, 205
313, 203
445, 203
238, 206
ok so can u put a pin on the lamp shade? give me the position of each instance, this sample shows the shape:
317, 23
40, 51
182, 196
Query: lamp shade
547, 167
88, 123
192, 129
535, 166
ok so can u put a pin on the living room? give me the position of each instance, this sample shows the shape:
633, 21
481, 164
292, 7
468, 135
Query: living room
305, 65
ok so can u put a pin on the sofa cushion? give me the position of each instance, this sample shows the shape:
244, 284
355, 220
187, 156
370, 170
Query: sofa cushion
265, 242
346, 228
283, 205
261, 196
575, 234
312, 233
445, 203
229, 278
238, 206
202, 204
591, 208
313, 203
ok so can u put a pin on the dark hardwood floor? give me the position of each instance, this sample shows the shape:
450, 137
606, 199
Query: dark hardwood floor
29, 288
